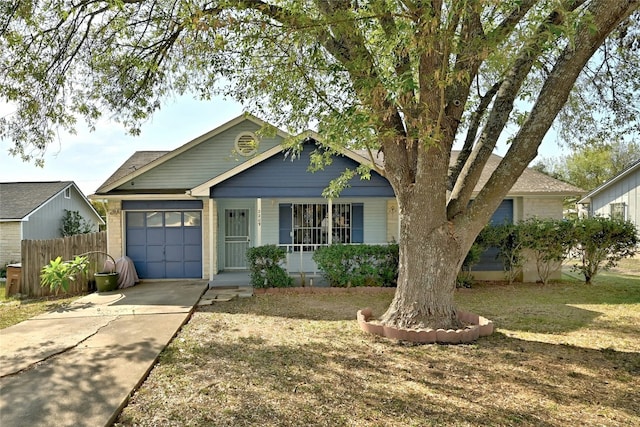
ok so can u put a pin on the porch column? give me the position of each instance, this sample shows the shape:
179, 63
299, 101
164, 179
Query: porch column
212, 239
259, 222
330, 220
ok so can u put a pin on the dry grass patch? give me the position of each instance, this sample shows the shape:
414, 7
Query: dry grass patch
14, 310
564, 354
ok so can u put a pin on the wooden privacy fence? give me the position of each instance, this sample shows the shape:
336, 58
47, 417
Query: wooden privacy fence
38, 253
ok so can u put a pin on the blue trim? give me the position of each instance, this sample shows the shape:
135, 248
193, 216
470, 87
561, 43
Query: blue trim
161, 204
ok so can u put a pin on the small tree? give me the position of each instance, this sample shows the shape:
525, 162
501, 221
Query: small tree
549, 241
73, 223
601, 243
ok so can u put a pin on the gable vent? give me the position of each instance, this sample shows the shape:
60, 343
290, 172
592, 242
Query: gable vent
246, 144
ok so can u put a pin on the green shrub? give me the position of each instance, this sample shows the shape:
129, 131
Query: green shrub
358, 265
73, 223
549, 241
264, 264
601, 243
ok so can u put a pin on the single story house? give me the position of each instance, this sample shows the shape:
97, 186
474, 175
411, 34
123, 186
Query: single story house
193, 212
619, 197
34, 211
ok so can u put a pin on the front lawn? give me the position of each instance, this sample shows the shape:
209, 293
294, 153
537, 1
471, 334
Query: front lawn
14, 310
563, 354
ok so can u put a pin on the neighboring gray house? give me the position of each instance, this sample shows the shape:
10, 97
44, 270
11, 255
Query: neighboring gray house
193, 212
617, 198
34, 211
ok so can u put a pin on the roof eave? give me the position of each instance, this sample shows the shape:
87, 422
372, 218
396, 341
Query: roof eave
632, 168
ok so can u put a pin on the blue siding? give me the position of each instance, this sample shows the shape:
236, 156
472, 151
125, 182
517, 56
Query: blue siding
281, 177
489, 260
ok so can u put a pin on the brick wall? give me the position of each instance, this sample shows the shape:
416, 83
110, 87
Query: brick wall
542, 207
114, 228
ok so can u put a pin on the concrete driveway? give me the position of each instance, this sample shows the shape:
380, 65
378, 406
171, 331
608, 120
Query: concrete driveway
78, 366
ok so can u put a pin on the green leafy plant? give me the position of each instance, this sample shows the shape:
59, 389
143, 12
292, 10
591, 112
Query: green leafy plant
266, 271
73, 223
59, 274
601, 243
549, 242
358, 265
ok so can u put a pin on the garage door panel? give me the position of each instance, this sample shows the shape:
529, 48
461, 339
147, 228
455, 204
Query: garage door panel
174, 236
137, 252
155, 236
174, 269
155, 253
192, 234
192, 269
137, 235
192, 253
155, 270
174, 253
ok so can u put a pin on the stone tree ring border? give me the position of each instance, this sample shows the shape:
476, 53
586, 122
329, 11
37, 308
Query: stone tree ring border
478, 327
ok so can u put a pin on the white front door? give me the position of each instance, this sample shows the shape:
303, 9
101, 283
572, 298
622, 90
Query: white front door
236, 238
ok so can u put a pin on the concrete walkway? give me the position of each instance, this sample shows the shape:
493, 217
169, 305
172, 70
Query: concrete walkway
78, 366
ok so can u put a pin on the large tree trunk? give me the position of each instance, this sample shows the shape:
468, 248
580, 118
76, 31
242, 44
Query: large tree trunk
431, 249
429, 263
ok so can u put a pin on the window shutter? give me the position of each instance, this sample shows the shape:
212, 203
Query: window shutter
357, 223
285, 224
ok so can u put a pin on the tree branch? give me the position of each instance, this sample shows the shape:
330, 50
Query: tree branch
604, 16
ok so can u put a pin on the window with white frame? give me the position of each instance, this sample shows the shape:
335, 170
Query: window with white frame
67, 193
617, 211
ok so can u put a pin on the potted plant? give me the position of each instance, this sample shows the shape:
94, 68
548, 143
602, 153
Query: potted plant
59, 274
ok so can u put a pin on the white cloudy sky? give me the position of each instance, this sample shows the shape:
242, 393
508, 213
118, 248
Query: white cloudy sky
89, 158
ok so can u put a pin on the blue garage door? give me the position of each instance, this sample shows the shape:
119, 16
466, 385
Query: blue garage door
165, 244
488, 260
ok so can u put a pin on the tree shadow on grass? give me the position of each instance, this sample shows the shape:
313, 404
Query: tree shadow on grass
357, 379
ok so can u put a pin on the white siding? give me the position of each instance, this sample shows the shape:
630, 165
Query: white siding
627, 191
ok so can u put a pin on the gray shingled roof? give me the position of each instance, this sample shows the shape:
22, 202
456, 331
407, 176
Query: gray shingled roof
19, 199
531, 181
133, 163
